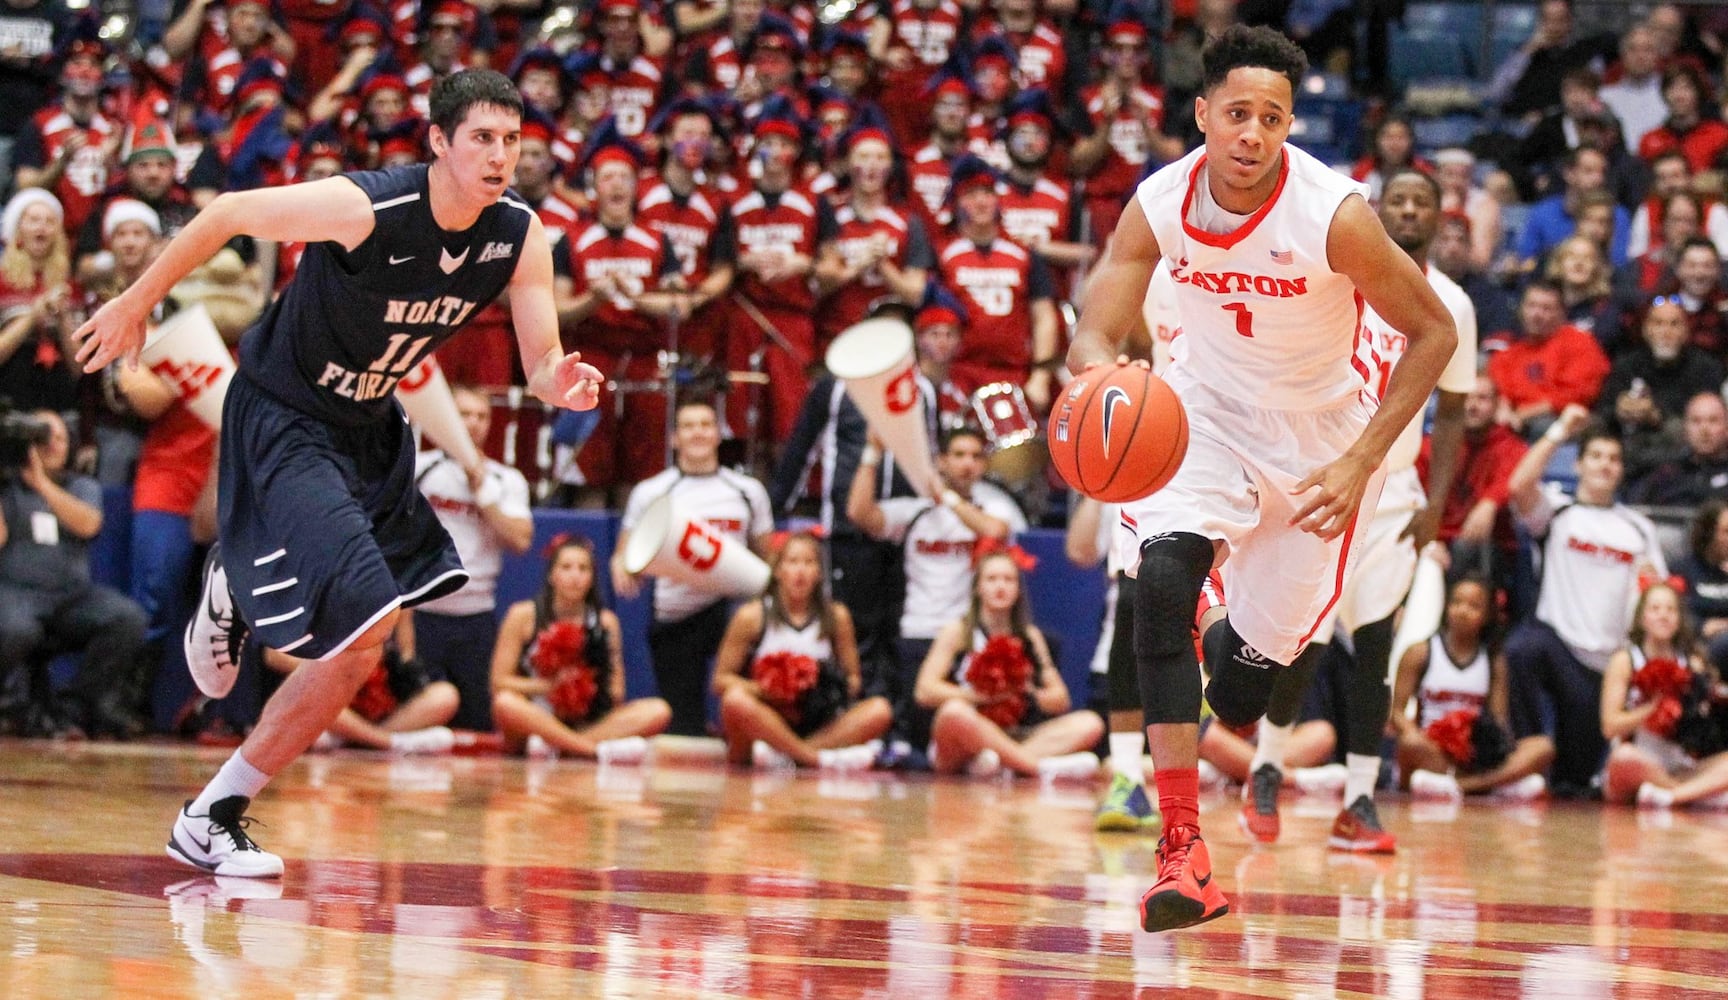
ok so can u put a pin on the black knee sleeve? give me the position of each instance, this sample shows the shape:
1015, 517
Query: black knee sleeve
1241, 678
1123, 679
1172, 569
1290, 685
1369, 697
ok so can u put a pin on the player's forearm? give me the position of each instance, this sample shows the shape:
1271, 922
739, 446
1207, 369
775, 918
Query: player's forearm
1111, 308
1446, 444
542, 378
207, 233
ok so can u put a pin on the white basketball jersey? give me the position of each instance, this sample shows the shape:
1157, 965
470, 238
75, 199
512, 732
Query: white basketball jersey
1160, 313
1460, 373
1264, 318
1448, 687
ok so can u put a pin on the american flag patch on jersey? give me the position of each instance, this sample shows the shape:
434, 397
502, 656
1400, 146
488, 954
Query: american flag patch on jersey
1282, 256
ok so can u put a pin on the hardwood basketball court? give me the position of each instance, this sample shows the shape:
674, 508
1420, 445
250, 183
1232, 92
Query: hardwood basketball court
488, 877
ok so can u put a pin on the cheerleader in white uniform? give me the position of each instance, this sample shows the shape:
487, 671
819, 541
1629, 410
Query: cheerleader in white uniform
1018, 716
787, 674
1648, 686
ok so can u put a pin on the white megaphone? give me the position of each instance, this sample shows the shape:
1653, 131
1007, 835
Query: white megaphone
187, 352
425, 397
670, 544
875, 361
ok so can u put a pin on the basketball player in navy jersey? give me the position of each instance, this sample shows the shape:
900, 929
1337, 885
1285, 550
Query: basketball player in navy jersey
1273, 255
323, 535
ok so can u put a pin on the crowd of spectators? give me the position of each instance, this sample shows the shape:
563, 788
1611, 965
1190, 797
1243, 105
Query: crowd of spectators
728, 185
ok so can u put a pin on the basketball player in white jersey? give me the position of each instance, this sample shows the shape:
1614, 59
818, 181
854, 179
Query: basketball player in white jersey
1272, 254
1382, 570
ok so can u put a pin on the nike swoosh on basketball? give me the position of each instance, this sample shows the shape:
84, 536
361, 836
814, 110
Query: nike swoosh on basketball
449, 264
1113, 397
401, 260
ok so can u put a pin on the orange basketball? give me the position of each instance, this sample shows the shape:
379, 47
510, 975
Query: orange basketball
1117, 433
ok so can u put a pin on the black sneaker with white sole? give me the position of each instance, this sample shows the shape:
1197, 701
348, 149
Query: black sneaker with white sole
217, 841
215, 635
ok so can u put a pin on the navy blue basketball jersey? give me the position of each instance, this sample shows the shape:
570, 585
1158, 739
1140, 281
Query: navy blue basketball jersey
351, 324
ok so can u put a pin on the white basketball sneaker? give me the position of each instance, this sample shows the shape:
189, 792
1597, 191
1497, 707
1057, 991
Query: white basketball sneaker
215, 635
217, 842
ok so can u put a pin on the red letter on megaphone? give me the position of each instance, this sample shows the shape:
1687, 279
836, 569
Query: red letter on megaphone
695, 532
901, 392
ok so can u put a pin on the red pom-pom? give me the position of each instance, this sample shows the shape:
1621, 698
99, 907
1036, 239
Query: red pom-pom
375, 701
1006, 711
1665, 717
1451, 733
1665, 676
572, 693
558, 648
1000, 673
783, 677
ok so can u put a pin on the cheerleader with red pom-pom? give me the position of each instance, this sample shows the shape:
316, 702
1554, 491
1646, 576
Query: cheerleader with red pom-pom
1658, 711
788, 677
998, 698
1457, 741
558, 670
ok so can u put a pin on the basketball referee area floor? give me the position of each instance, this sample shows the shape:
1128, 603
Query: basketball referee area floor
489, 877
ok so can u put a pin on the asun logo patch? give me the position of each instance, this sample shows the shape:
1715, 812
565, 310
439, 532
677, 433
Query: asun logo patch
494, 251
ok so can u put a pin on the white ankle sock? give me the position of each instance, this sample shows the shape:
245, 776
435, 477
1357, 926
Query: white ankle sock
1364, 772
237, 777
1125, 756
1270, 747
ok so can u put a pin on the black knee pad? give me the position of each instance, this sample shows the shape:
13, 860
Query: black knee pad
1123, 679
1172, 569
1241, 677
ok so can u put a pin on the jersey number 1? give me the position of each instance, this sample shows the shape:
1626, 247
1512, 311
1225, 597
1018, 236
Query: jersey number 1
1244, 318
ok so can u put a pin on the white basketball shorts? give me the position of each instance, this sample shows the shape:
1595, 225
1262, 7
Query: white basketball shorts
1234, 486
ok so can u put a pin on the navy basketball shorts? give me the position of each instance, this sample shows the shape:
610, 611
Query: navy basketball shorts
323, 531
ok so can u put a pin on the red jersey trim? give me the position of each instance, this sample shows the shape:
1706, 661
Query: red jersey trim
1242, 232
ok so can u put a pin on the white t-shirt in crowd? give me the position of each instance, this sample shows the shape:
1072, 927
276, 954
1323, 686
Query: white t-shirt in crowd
938, 555
445, 487
1590, 562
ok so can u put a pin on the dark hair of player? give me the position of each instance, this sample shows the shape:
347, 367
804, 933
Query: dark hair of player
1261, 47
454, 95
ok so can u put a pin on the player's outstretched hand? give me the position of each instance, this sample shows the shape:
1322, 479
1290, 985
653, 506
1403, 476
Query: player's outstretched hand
577, 384
116, 331
1338, 487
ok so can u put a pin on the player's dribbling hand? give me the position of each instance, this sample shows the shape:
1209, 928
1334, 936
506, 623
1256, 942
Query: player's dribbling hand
1339, 486
577, 384
114, 332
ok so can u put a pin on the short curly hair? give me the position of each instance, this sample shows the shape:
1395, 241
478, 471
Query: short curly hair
1260, 47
